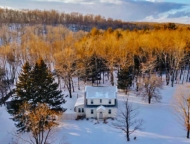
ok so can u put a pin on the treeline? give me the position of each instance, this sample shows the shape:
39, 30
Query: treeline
75, 21
53, 17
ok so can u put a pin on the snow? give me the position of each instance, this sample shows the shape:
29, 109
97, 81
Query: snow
161, 125
6, 126
80, 101
101, 92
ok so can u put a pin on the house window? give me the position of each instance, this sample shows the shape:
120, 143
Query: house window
109, 101
100, 100
92, 102
82, 110
92, 111
79, 110
109, 111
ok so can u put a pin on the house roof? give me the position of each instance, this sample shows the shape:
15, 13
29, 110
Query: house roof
107, 92
79, 102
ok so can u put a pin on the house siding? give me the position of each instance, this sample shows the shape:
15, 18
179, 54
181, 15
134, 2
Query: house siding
77, 110
106, 114
97, 102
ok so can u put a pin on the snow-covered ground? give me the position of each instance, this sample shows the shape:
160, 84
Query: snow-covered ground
161, 125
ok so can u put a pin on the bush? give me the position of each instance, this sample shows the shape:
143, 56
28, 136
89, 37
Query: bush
80, 117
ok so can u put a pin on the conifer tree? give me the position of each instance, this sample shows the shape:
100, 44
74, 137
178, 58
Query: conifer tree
44, 86
23, 89
93, 71
124, 78
24, 85
23, 94
35, 86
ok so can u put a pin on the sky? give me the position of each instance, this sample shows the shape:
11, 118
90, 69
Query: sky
126, 10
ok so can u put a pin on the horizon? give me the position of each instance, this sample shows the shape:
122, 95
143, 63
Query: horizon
126, 10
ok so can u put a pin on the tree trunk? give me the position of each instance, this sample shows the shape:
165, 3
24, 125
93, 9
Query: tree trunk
172, 79
176, 74
59, 82
127, 135
149, 99
188, 133
187, 78
112, 78
108, 75
78, 83
103, 76
69, 87
167, 79
181, 73
72, 85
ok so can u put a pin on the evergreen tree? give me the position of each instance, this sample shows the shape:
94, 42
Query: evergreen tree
35, 86
23, 89
125, 78
44, 86
24, 86
93, 72
23, 94
93, 69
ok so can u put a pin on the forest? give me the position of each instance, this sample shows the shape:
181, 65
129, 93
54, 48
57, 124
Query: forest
86, 55
88, 48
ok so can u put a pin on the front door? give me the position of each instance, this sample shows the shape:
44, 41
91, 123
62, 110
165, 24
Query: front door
101, 115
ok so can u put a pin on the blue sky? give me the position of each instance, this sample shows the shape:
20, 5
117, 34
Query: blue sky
127, 10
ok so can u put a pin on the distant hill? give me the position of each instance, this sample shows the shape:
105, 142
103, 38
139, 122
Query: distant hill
75, 21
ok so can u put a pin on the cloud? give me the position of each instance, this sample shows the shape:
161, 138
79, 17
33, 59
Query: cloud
69, 1
83, 1
179, 14
127, 10
185, 20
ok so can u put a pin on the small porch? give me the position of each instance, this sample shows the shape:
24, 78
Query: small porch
101, 112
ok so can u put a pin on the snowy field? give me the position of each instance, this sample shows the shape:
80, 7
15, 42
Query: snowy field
161, 125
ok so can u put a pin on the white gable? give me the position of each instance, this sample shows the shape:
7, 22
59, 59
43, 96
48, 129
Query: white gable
101, 108
101, 92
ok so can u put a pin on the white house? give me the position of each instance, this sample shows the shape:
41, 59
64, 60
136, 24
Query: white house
98, 102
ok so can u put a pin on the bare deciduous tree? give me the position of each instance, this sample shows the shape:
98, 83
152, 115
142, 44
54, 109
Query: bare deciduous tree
181, 106
65, 62
127, 119
39, 121
150, 87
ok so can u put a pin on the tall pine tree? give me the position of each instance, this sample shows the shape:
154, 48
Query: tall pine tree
45, 87
125, 79
35, 86
24, 85
23, 94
